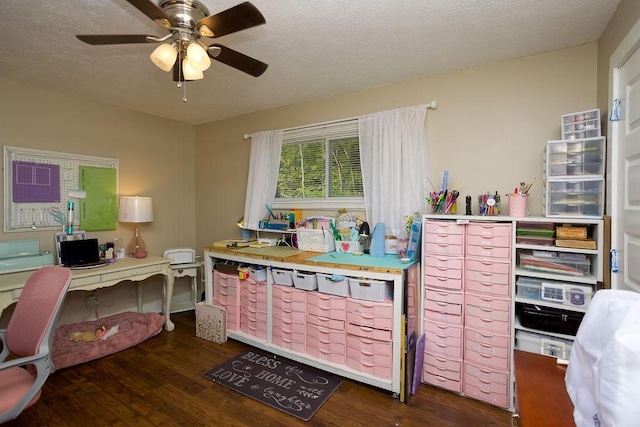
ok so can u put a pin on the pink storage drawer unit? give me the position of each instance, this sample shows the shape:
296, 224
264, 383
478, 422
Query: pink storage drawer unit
251, 326
489, 242
474, 318
288, 315
442, 282
443, 227
487, 313
443, 307
233, 314
446, 345
498, 381
500, 307
442, 366
487, 338
436, 316
482, 355
442, 271
442, 262
330, 306
443, 249
370, 309
367, 345
488, 251
441, 295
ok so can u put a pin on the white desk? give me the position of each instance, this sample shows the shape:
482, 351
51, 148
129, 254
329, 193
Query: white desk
133, 269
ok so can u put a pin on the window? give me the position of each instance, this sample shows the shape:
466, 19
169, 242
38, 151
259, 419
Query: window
320, 167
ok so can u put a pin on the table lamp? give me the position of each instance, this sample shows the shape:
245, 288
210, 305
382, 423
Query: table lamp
136, 209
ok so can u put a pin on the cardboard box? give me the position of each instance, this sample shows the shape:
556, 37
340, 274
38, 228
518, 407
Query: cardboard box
211, 322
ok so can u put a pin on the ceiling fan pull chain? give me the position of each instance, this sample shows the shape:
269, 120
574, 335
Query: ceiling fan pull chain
184, 94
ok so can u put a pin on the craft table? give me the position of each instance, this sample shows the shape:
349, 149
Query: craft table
133, 269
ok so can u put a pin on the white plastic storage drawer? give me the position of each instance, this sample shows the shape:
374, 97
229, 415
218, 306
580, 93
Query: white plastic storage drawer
574, 198
333, 284
282, 277
581, 157
370, 290
583, 124
543, 344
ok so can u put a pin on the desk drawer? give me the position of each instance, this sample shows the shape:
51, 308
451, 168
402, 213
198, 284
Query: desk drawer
84, 281
126, 274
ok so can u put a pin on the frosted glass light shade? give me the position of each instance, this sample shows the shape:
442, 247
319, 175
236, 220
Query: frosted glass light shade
164, 56
189, 72
135, 209
198, 57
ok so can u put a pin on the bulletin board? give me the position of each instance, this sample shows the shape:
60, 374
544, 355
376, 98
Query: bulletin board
37, 185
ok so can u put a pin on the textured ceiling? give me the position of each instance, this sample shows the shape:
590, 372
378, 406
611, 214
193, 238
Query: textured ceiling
315, 49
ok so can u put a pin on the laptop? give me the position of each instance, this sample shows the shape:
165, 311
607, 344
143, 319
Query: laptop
78, 254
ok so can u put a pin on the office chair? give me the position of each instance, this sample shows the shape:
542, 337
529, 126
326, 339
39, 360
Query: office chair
29, 337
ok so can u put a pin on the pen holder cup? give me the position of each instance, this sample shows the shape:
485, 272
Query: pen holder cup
518, 205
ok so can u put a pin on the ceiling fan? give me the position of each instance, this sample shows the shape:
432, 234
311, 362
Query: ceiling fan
182, 50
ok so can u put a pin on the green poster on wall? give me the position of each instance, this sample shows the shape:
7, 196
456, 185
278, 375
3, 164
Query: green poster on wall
99, 210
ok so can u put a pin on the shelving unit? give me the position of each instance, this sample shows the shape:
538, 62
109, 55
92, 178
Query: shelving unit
443, 254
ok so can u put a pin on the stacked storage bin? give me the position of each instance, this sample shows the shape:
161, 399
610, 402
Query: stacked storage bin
253, 301
487, 330
289, 318
226, 293
443, 321
326, 327
370, 336
574, 168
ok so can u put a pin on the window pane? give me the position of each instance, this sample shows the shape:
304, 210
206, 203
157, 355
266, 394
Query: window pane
302, 171
346, 176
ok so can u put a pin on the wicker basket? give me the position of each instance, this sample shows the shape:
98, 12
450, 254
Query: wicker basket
315, 240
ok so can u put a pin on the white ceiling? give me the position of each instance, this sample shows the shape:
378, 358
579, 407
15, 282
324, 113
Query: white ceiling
314, 48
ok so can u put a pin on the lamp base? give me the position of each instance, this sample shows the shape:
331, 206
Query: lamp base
137, 248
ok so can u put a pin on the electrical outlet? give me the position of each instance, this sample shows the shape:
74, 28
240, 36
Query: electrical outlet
92, 301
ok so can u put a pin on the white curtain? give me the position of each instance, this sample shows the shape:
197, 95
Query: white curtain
264, 164
395, 167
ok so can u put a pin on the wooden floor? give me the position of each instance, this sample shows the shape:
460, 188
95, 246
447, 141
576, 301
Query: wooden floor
160, 383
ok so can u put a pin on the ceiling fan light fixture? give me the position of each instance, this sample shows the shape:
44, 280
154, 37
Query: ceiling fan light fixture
198, 57
164, 56
189, 72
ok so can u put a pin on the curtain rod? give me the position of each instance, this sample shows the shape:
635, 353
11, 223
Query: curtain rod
432, 105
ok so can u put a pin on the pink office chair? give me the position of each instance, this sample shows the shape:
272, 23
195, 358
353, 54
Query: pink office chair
29, 336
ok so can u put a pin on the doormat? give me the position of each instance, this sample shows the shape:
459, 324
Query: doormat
276, 382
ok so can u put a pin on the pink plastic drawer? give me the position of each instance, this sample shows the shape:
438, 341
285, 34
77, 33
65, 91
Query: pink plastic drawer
259, 315
445, 346
489, 241
489, 230
289, 298
443, 382
288, 315
488, 313
487, 288
443, 296
490, 303
369, 321
475, 320
443, 307
443, 329
444, 248
378, 365
256, 291
496, 399
370, 309
443, 262
487, 338
250, 305
325, 322
324, 352
253, 327
442, 282
326, 335
442, 227
367, 332
488, 266
487, 349
369, 346
488, 251
441, 271
486, 378
486, 359
383, 358
435, 316
488, 277
289, 341
331, 306
444, 238
443, 366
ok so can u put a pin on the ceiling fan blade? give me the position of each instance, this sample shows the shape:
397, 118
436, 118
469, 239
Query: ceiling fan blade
238, 18
98, 39
237, 60
152, 11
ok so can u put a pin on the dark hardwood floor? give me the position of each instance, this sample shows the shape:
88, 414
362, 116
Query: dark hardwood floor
159, 383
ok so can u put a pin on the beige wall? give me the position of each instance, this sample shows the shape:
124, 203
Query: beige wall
156, 158
489, 129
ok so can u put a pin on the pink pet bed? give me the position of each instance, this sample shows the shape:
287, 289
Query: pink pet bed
133, 328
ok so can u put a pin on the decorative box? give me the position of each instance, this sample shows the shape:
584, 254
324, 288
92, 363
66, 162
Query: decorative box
211, 322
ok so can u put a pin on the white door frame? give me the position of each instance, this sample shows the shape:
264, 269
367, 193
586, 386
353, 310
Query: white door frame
623, 52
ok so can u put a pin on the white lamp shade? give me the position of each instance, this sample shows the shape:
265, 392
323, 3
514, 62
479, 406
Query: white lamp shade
164, 56
198, 57
189, 72
135, 209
